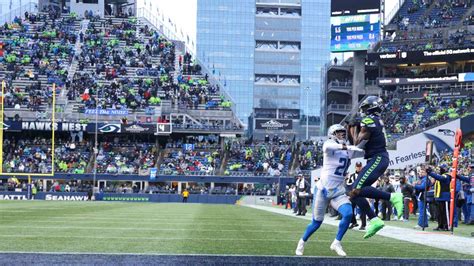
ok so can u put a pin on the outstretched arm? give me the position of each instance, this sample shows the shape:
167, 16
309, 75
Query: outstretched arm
464, 178
440, 178
332, 146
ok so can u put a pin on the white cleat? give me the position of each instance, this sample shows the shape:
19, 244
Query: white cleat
300, 248
336, 246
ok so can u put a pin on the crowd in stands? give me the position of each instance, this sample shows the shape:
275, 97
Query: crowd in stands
71, 157
406, 116
115, 63
37, 48
109, 56
263, 158
416, 18
121, 156
311, 155
26, 155
194, 156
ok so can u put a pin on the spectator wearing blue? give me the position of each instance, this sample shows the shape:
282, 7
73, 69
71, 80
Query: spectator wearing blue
465, 199
443, 195
421, 184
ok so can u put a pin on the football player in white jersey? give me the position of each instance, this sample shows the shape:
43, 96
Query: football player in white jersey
330, 188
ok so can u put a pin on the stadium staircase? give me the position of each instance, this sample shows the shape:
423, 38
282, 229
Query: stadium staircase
160, 157
294, 164
225, 160
90, 164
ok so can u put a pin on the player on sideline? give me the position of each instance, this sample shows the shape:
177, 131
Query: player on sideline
372, 139
331, 189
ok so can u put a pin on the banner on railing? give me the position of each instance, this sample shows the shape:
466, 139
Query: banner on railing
273, 124
111, 112
153, 172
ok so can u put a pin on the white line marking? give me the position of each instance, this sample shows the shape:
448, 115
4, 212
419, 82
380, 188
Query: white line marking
42, 237
146, 229
457, 244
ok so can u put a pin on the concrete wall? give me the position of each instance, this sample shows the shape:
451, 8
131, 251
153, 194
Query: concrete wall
79, 8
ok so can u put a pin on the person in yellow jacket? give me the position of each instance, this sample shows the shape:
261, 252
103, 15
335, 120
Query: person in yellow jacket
185, 195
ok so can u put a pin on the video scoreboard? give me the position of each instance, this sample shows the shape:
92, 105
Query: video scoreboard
355, 25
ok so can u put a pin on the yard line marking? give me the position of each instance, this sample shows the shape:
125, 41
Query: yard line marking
42, 237
274, 224
147, 229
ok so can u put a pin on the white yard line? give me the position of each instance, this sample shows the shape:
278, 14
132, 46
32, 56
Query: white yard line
458, 244
141, 238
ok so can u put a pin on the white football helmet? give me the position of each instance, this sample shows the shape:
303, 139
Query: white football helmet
334, 129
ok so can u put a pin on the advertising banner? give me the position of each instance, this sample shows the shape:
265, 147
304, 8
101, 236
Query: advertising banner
77, 196
274, 124
412, 150
7, 195
139, 129
442, 55
153, 172
77, 127
461, 77
111, 112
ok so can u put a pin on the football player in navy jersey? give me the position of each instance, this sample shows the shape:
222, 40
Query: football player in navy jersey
371, 138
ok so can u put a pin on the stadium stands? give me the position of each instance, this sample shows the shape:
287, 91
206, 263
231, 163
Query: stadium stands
201, 157
426, 25
268, 158
27, 155
404, 117
123, 64
38, 51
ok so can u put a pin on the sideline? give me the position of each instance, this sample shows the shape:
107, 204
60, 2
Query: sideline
449, 242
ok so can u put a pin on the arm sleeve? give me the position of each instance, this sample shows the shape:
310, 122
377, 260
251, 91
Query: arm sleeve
440, 178
331, 146
464, 178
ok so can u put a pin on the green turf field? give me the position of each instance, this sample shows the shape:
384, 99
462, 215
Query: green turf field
43, 226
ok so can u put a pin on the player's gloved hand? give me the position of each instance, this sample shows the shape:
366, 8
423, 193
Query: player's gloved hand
429, 170
354, 148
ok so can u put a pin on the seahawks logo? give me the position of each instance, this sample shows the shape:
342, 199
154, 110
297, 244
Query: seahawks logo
5, 126
110, 128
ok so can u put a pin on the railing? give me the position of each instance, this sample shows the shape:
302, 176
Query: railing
30, 7
339, 107
295, 2
162, 28
345, 84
